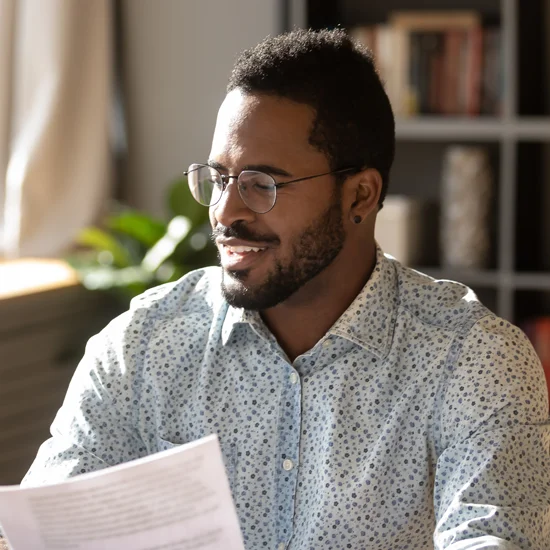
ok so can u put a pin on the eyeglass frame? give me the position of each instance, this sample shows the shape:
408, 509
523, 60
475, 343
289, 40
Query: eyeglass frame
226, 180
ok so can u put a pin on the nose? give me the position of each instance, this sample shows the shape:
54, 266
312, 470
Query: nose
231, 207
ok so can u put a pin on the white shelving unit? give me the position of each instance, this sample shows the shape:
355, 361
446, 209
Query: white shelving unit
504, 283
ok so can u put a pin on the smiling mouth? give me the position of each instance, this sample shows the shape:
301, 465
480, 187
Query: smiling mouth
242, 249
240, 257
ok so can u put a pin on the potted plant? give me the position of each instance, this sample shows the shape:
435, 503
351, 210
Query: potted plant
133, 251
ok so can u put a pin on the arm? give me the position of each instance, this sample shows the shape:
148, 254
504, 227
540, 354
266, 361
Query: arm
97, 426
492, 481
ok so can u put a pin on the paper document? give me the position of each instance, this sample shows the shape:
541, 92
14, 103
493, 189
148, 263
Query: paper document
173, 500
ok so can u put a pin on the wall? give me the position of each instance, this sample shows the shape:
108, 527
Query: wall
177, 56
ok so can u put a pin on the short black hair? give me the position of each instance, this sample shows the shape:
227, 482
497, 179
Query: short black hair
337, 77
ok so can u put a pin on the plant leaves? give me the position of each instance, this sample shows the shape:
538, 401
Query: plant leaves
101, 241
182, 203
178, 228
143, 228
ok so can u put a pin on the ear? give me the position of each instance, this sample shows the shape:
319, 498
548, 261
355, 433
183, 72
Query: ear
363, 193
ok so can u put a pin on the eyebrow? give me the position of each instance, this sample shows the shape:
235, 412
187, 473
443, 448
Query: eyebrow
268, 169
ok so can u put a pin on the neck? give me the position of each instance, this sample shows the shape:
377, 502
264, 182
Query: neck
301, 321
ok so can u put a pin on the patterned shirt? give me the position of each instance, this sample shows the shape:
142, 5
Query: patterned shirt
418, 421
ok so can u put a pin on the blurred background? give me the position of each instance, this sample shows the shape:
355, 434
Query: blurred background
104, 103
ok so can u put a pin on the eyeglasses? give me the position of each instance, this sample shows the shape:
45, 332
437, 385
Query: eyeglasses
258, 190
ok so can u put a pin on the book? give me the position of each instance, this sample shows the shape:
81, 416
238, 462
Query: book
474, 38
436, 67
425, 20
400, 228
414, 90
178, 498
492, 85
437, 62
452, 45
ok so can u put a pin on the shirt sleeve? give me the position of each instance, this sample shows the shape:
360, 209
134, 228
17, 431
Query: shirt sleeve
96, 426
492, 480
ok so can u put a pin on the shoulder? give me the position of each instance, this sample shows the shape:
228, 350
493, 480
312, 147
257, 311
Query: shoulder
127, 336
444, 304
494, 379
195, 291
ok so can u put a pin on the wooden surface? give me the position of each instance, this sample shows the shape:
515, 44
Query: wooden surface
46, 317
28, 276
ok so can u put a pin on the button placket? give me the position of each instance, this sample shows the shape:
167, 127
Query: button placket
289, 448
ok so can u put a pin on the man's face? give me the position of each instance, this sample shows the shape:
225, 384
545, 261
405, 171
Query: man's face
303, 233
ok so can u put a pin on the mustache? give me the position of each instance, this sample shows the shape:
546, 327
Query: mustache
239, 230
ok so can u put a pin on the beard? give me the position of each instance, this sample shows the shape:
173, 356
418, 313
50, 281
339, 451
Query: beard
312, 251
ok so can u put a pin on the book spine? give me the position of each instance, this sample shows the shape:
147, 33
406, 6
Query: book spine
473, 75
492, 73
385, 61
436, 76
463, 73
452, 66
499, 69
400, 71
425, 46
415, 74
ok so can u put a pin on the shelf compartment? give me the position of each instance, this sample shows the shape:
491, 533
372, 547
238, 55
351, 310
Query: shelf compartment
532, 207
417, 173
531, 304
487, 296
533, 63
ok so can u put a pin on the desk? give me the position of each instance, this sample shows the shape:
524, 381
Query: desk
46, 317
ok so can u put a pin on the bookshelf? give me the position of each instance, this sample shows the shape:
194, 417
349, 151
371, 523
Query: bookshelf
516, 285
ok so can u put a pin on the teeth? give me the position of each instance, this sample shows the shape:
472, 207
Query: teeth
243, 249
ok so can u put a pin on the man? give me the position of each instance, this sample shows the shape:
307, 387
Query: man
359, 404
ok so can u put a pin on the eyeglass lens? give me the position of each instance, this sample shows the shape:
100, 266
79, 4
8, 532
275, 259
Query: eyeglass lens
257, 189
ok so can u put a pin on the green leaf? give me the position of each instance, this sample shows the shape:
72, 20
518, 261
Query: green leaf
100, 241
178, 228
145, 229
182, 203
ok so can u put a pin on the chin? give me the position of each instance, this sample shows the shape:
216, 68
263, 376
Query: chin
240, 293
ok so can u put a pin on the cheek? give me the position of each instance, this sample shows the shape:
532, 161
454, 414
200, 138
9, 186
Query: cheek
288, 230
212, 217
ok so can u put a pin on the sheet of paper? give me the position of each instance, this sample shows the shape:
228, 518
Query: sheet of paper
173, 500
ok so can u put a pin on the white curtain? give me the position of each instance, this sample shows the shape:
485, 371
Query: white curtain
55, 94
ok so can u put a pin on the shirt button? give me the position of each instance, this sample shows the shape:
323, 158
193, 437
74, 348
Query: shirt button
288, 465
327, 343
294, 378
281, 546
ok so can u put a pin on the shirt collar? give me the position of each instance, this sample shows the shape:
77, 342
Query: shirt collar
236, 316
368, 321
